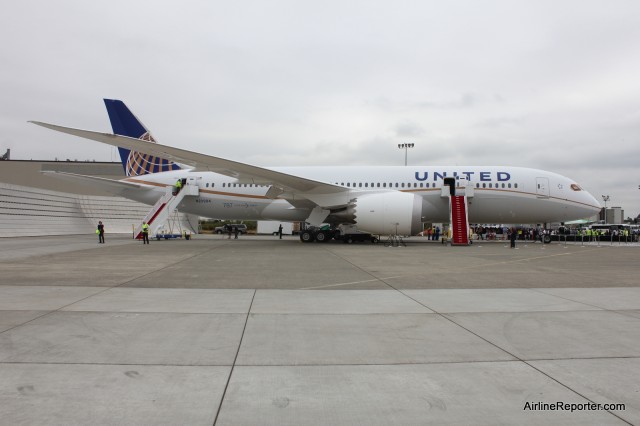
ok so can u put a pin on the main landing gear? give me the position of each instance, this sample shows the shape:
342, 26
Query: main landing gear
323, 235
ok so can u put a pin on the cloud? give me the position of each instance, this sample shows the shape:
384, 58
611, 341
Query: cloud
540, 84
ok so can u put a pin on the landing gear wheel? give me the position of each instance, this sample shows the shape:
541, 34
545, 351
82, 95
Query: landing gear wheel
322, 237
546, 239
349, 240
306, 236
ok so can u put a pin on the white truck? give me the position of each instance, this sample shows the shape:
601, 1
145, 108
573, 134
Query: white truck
271, 227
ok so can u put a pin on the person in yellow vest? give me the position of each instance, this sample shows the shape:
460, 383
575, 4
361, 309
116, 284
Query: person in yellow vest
177, 187
100, 232
145, 233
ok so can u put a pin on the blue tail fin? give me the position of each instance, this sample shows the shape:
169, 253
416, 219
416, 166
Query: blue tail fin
125, 123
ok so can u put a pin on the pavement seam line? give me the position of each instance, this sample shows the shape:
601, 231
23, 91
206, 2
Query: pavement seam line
373, 364
60, 309
526, 362
517, 358
226, 386
503, 262
617, 311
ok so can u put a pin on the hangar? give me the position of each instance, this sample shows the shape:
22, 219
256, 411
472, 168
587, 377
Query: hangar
32, 204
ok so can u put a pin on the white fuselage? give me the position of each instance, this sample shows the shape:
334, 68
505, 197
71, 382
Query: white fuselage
496, 194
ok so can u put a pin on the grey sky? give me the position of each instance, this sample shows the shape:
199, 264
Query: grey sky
547, 84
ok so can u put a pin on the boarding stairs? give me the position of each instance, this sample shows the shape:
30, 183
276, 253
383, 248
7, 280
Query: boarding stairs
459, 219
164, 209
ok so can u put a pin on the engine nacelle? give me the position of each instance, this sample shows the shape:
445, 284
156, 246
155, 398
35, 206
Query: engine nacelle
389, 213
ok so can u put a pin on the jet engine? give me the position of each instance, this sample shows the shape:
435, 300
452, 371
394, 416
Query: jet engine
389, 213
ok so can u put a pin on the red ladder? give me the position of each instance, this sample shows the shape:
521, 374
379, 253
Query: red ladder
459, 220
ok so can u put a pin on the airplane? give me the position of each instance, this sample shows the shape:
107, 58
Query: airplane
382, 200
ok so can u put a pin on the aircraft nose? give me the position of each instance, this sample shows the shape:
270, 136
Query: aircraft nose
591, 203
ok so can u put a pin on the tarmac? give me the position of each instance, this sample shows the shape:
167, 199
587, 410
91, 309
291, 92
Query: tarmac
276, 332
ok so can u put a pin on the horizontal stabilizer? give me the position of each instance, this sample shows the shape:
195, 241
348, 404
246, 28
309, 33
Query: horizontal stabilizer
116, 187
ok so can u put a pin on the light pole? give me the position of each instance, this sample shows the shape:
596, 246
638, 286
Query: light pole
605, 198
405, 146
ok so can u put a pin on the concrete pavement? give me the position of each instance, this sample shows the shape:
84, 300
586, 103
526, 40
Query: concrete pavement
267, 331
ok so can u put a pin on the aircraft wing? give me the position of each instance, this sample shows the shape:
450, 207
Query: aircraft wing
241, 171
116, 187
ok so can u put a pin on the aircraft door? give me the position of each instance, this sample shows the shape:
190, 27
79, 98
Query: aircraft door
542, 187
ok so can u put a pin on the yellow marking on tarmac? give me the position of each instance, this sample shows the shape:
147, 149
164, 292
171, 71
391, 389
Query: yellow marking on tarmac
338, 285
355, 282
527, 259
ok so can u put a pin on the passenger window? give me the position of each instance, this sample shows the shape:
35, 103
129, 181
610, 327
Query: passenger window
366, 184
515, 185
360, 185
484, 185
207, 184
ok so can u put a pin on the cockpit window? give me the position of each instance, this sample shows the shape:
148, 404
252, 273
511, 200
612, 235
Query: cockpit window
576, 187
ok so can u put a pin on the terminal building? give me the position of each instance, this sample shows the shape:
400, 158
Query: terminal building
33, 204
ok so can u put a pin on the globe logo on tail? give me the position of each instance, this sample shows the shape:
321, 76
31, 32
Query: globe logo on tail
141, 164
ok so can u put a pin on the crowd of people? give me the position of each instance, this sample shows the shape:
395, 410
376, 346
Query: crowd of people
504, 233
537, 233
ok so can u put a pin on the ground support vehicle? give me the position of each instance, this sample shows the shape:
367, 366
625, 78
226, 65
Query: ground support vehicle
167, 236
347, 235
242, 228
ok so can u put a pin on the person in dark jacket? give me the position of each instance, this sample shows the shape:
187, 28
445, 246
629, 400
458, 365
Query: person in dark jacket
100, 233
513, 236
